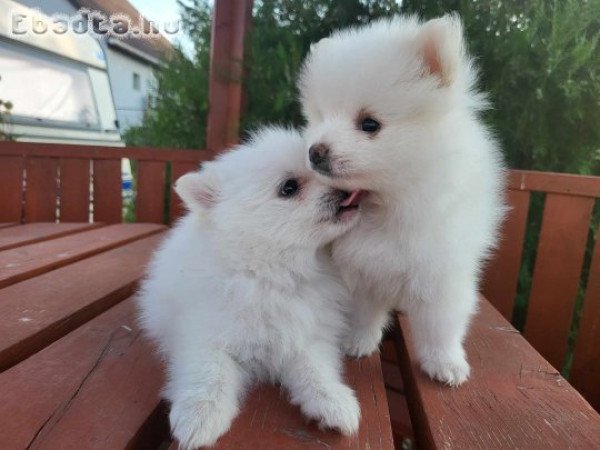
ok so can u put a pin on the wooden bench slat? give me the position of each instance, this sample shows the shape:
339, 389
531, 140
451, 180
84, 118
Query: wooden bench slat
71, 296
108, 203
585, 372
557, 183
556, 275
394, 384
514, 398
40, 231
98, 152
268, 420
92, 389
400, 417
501, 278
150, 192
366, 377
25, 262
74, 190
178, 169
392, 376
387, 350
11, 188
42, 189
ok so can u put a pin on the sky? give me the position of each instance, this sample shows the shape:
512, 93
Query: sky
161, 11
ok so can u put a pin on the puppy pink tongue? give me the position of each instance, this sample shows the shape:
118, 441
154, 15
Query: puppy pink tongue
353, 199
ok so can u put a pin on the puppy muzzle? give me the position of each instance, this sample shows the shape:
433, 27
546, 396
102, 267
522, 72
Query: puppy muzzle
318, 155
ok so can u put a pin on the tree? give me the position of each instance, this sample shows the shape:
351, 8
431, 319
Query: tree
281, 37
540, 62
281, 34
176, 113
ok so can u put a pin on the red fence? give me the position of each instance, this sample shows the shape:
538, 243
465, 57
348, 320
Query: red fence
562, 311
46, 182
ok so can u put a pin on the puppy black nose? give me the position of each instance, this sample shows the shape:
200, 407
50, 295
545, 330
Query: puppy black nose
318, 154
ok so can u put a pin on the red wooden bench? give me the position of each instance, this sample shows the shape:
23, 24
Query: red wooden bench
75, 372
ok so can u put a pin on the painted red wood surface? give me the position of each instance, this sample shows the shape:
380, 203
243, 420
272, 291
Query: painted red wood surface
585, 373
59, 182
30, 260
150, 192
40, 231
230, 24
268, 421
11, 187
514, 398
108, 205
71, 295
42, 189
556, 183
91, 152
500, 279
77, 374
92, 389
74, 190
514, 395
558, 265
395, 390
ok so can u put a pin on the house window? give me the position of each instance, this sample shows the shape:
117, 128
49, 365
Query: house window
137, 83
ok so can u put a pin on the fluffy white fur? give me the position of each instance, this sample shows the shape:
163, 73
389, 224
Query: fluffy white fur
241, 291
433, 172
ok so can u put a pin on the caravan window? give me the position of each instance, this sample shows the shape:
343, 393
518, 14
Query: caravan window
46, 88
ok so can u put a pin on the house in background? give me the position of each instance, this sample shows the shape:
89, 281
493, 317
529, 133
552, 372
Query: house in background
131, 61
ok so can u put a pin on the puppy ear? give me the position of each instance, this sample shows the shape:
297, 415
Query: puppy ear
441, 45
198, 190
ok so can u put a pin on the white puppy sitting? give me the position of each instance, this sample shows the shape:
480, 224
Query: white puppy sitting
241, 290
393, 115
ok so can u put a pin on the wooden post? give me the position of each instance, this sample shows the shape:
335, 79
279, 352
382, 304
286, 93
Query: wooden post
231, 21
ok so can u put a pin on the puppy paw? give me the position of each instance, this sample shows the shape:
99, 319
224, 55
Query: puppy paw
452, 370
197, 423
339, 409
361, 343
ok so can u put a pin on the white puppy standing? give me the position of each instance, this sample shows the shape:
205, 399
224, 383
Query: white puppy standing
392, 110
241, 290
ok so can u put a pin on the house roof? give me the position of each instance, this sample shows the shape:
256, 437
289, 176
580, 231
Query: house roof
153, 49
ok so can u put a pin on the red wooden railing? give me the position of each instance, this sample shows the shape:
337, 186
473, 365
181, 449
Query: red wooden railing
557, 275
47, 182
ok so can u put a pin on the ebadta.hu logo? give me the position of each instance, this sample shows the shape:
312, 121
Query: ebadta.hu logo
86, 21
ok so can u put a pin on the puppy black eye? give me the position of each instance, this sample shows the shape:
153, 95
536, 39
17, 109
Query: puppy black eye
369, 125
289, 188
